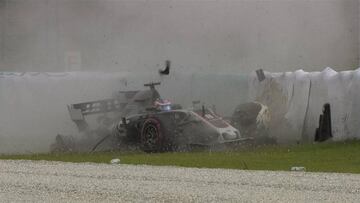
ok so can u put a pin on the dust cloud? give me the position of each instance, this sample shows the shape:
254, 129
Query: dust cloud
59, 52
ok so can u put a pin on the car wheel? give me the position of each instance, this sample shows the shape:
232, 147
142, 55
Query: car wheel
151, 135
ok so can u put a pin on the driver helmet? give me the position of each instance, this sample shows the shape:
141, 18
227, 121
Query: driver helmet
162, 104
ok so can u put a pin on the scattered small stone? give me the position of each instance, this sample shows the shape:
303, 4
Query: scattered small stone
115, 161
298, 168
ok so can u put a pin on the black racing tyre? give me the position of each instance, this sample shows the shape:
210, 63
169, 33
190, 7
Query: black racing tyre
152, 136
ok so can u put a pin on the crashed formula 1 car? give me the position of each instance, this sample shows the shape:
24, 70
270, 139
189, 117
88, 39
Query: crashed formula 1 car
144, 119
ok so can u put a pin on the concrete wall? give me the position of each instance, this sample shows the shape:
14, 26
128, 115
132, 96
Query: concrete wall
212, 36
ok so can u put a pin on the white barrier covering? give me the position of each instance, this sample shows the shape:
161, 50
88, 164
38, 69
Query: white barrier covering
295, 100
33, 105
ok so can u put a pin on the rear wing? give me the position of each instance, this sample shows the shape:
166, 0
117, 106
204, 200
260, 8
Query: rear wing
95, 107
80, 110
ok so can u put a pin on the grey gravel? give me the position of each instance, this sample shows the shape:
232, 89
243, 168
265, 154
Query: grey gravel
42, 181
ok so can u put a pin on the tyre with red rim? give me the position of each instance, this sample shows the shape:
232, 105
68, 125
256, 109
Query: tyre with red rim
151, 135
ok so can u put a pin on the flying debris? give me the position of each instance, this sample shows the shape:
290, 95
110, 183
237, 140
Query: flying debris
166, 71
260, 75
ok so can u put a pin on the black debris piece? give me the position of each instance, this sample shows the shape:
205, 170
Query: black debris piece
323, 132
166, 71
260, 75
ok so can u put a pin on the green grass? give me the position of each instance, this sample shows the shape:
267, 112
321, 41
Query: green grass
325, 157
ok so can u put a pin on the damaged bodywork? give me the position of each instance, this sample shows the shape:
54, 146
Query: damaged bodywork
252, 120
